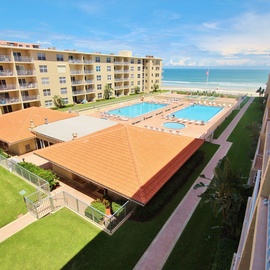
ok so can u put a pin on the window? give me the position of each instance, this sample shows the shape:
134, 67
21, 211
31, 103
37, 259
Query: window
41, 56
45, 81
63, 90
139, 76
97, 68
43, 69
61, 68
62, 80
132, 83
132, 61
48, 103
98, 77
131, 76
131, 68
59, 57
139, 61
99, 87
27, 147
109, 77
46, 92
99, 95
108, 59
139, 83
139, 68
65, 100
97, 59
109, 68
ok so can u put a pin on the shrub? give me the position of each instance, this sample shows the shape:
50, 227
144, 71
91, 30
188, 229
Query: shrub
116, 207
95, 215
47, 175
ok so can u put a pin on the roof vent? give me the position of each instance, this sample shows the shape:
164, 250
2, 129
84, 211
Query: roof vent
32, 125
74, 136
46, 120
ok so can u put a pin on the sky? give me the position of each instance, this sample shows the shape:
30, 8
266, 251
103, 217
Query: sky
198, 33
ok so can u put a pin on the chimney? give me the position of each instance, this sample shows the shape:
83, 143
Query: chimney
46, 120
74, 136
32, 125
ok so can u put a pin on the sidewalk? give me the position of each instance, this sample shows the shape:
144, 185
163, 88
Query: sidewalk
158, 252
16, 226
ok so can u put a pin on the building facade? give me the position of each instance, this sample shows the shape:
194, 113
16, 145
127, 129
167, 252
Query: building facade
254, 246
32, 76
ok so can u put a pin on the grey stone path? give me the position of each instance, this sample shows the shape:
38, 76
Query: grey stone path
158, 252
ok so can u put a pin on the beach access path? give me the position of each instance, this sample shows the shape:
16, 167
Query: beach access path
159, 250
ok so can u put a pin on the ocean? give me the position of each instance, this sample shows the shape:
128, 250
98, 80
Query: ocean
240, 80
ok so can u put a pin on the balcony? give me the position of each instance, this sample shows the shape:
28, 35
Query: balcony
6, 72
126, 79
126, 71
118, 87
126, 86
23, 59
118, 63
28, 85
8, 87
126, 63
9, 100
75, 82
118, 79
5, 58
118, 71
28, 98
26, 72
75, 72
78, 92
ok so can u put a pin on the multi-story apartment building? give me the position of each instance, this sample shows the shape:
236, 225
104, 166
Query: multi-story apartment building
31, 76
254, 247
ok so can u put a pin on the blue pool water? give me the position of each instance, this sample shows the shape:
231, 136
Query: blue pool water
198, 112
138, 109
173, 125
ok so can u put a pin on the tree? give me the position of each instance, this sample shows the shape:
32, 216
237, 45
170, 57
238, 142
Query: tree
228, 196
58, 101
137, 89
156, 87
108, 91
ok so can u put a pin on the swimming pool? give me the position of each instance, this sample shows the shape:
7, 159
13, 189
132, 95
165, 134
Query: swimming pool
198, 112
173, 125
138, 109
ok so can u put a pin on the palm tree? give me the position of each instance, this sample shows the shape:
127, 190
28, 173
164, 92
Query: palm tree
108, 91
156, 86
137, 89
227, 195
58, 101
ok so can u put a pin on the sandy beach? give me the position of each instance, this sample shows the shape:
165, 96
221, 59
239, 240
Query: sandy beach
236, 92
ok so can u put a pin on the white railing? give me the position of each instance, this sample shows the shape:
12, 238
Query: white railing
28, 98
9, 100
88, 61
6, 72
8, 86
5, 58
26, 72
78, 92
28, 85
89, 81
77, 82
23, 59
75, 61
88, 71
76, 72
90, 90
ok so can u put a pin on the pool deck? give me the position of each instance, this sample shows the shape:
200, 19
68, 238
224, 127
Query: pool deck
156, 119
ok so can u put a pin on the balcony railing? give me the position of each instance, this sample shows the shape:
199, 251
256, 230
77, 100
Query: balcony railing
76, 82
76, 72
5, 58
6, 72
126, 70
9, 100
126, 63
126, 79
90, 90
78, 92
118, 79
118, 63
23, 59
8, 86
88, 71
88, 61
28, 98
126, 86
75, 61
28, 85
118, 71
26, 72
118, 87
89, 81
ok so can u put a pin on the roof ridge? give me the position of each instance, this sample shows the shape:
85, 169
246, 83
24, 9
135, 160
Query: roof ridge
137, 171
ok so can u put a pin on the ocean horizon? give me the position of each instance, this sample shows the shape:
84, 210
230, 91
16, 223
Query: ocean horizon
242, 80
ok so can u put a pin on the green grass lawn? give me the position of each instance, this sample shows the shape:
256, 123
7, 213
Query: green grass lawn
48, 243
11, 202
55, 236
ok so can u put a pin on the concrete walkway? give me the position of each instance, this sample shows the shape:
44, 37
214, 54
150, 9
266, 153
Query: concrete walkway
158, 252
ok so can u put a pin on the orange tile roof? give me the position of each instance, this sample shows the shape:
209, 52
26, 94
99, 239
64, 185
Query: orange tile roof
15, 126
134, 162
